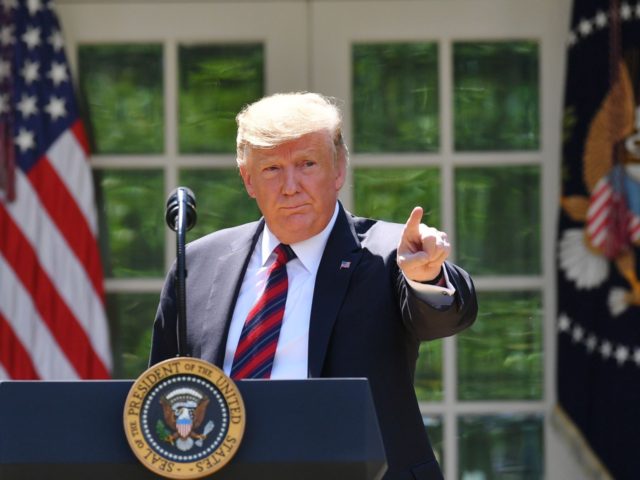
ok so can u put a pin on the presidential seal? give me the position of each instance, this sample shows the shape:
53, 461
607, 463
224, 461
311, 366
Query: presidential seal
184, 418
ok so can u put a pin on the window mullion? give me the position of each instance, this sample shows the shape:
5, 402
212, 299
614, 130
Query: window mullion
171, 136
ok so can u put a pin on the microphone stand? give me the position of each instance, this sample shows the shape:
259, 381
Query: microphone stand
181, 274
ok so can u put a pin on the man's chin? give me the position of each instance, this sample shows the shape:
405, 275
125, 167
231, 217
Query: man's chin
296, 228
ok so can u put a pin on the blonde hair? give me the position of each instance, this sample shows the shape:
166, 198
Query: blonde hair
283, 117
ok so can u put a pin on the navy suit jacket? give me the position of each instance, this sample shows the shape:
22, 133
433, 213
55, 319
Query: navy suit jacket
365, 322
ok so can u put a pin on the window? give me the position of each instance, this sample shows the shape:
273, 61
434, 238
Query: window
449, 105
496, 221
160, 100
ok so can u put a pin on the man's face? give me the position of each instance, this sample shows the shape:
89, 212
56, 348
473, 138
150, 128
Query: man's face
295, 184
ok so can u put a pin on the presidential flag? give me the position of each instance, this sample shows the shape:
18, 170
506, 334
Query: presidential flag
598, 375
52, 315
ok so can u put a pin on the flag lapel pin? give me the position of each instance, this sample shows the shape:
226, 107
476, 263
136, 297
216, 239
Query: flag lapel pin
344, 265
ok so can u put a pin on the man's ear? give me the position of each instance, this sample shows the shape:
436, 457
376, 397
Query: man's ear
341, 173
246, 178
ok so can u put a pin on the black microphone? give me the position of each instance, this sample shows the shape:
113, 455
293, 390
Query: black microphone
173, 207
181, 217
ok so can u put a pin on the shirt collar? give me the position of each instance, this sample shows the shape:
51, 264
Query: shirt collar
309, 251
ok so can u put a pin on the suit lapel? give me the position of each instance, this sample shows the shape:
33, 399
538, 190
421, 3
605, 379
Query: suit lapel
228, 273
339, 260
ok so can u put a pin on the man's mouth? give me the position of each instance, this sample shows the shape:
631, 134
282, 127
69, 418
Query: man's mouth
294, 208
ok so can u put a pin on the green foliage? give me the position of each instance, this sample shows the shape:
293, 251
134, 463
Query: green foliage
428, 377
122, 94
396, 97
500, 356
501, 447
435, 428
391, 193
216, 81
496, 96
498, 220
131, 318
221, 199
132, 203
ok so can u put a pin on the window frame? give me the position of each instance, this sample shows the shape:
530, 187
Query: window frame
308, 46
446, 23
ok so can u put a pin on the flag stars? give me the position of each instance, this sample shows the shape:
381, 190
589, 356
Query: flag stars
622, 354
578, 333
30, 71
600, 19
9, 4
585, 27
56, 40
606, 349
625, 11
638, 10
34, 6
636, 356
6, 35
572, 40
564, 324
32, 37
55, 108
25, 140
27, 106
58, 73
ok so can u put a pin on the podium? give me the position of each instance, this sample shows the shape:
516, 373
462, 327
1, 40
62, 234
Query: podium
296, 429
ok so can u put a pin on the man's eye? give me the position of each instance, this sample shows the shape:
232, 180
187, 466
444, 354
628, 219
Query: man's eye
309, 163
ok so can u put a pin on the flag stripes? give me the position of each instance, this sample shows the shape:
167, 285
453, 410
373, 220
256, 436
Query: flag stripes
64, 326
16, 305
68, 157
14, 355
55, 258
71, 222
3, 373
600, 222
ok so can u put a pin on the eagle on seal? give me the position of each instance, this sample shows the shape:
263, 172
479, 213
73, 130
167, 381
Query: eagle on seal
184, 411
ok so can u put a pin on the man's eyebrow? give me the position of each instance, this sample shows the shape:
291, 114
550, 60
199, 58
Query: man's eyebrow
267, 154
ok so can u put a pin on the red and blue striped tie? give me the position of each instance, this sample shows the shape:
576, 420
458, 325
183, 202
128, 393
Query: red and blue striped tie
259, 338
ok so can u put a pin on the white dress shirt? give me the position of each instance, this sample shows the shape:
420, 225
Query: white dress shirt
291, 358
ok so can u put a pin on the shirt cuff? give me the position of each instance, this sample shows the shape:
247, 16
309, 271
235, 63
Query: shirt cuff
434, 294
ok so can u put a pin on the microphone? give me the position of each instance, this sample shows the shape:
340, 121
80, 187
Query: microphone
173, 207
181, 217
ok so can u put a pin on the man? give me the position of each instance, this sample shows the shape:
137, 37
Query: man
359, 294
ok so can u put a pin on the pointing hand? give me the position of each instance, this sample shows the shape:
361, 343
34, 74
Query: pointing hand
422, 250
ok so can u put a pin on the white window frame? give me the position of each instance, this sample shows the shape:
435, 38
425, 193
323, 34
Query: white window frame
308, 47
87, 22
446, 22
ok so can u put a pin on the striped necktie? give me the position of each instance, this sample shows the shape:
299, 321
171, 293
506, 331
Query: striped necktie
259, 338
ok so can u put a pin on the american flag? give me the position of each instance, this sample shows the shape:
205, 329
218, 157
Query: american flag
52, 317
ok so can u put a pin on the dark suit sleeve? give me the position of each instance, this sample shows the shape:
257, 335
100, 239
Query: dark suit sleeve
428, 322
164, 343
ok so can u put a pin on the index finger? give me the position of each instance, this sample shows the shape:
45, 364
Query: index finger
412, 226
